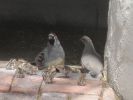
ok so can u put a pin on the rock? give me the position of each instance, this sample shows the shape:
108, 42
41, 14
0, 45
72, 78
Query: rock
84, 97
109, 94
119, 47
69, 86
16, 96
27, 85
3, 64
54, 96
6, 77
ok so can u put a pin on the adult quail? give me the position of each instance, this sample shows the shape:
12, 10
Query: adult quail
91, 61
52, 57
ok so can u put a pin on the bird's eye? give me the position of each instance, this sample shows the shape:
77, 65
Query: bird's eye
51, 36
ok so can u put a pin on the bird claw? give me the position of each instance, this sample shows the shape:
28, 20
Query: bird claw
48, 76
20, 75
82, 83
48, 81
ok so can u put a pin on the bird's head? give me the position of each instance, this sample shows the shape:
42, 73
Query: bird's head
85, 39
88, 44
52, 38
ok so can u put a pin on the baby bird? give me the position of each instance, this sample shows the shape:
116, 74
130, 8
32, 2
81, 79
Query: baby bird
91, 61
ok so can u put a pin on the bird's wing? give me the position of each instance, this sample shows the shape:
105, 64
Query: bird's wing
92, 62
85, 62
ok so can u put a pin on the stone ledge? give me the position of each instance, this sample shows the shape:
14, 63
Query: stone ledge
109, 94
61, 89
62, 96
3, 64
84, 97
70, 86
16, 96
6, 77
54, 96
27, 85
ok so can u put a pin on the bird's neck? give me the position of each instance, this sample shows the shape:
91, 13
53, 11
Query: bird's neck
89, 49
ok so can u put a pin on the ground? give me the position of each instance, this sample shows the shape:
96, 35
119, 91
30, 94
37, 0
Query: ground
32, 87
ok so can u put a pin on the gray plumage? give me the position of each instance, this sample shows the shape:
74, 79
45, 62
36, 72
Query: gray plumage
90, 59
53, 54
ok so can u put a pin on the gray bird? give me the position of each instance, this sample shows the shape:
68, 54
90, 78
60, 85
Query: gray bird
51, 57
52, 53
91, 61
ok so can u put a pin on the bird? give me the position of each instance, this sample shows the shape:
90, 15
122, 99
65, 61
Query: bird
54, 53
91, 61
52, 57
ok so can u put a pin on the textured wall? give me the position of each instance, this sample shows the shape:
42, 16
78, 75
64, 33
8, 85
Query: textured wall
54, 12
119, 47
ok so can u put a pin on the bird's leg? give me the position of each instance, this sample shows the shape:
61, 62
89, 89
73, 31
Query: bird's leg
47, 77
44, 76
20, 73
50, 74
66, 72
82, 80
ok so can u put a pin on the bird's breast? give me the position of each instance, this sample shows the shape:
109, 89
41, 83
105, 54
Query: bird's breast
91, 61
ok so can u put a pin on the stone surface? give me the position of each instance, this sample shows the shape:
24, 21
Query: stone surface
28, 85
16, 96
54, 96
84, 97
119, 47
62, 88
75, 76
6, 77
63, 85
108, 94
3, 64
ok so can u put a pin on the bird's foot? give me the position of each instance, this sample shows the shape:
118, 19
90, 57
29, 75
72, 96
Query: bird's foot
48, 81
20, 75
82, 83
82, 80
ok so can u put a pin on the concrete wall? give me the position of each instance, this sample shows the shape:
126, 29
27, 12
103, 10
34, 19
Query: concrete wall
119, 47
54, 12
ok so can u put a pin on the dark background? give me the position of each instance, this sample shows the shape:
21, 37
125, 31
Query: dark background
25, 24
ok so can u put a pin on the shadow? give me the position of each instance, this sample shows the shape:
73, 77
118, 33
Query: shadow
25, 42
